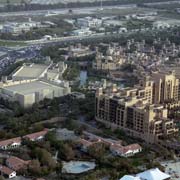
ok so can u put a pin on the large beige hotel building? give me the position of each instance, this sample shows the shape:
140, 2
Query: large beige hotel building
140, 111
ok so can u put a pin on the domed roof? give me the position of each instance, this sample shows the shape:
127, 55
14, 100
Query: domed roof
109, 58
109, 51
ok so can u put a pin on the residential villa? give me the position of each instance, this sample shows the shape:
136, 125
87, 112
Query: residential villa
36, 136
116, 147
16, 142
7, 172
10, 143
16, 163
125, 151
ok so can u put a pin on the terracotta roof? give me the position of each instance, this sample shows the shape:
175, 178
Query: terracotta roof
132, 147
16, 163
96, 138
85, 142
6, 170
125, 149
10, 141
36, 135
18, 139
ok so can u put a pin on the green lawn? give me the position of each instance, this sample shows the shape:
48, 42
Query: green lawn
11, 1
11, 43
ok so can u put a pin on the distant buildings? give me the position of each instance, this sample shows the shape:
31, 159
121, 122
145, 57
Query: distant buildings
112, 60
160, 25
79, 51
7, 172
16, 163
89, 22
140, 110
82, 32
18, 28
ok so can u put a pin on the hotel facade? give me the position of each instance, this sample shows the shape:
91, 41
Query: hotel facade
140, 111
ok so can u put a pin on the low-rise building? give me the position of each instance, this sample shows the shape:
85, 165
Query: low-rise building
89, 22
112, 60
79, 51
82, 32
16, 142
10, 143
16, 163
18, 28
115, 146
7, 172
160, 25
36, 136
126, 151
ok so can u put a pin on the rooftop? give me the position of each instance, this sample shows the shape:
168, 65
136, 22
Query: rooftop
29, 88
6, 170
37, 134
16, 163
153, 174
125, 149
30, 71
10, 141
129, 177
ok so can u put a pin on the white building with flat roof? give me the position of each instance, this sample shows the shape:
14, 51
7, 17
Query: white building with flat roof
89, 22
18, 28
35, 71
30, 71
32, 83
29, 92
82, 32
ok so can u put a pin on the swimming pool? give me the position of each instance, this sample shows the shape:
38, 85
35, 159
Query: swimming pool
77, 167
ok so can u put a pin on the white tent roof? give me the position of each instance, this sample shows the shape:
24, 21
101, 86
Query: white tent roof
128, 177
153, 174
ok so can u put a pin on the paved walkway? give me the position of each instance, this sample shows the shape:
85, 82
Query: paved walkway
172, 168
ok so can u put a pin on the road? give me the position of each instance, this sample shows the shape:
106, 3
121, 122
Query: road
10, 56
33, 48
83, 10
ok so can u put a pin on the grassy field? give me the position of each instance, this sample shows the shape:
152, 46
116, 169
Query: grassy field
11, 1
123, 12
11, 43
